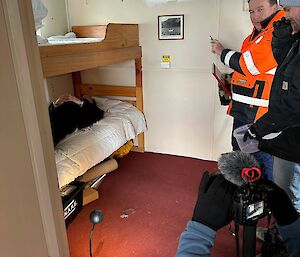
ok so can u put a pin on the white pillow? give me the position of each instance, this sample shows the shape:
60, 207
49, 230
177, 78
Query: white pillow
106, 104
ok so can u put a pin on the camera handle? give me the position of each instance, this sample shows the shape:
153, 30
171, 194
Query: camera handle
249, 240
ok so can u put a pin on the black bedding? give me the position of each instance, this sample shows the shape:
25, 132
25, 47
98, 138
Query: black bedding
69, 116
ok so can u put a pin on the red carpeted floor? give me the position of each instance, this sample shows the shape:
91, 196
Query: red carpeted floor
161, 189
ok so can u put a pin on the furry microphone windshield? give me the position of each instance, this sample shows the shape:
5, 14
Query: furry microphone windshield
231, 165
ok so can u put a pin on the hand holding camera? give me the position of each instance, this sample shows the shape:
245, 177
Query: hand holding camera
219, 201
280, 204
214, 204
255, 201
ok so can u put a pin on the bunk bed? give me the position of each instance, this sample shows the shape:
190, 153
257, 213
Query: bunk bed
120, 43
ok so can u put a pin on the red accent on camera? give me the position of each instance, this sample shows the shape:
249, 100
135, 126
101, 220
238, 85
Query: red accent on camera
252, 174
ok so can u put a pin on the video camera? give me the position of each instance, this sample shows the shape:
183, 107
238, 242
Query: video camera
250, 203
253, 200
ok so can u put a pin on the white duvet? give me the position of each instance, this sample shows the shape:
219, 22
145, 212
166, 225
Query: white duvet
68, 38
63, 41
85, 148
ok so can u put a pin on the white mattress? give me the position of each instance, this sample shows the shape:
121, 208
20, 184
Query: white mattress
85, 148
69, 38
63, 41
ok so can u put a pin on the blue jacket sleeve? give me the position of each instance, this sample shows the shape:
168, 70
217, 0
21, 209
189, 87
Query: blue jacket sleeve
196, 240
291, 237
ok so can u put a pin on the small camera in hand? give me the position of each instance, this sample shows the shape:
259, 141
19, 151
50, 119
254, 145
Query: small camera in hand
250, 203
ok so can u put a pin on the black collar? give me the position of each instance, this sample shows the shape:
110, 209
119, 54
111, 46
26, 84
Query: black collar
264, 24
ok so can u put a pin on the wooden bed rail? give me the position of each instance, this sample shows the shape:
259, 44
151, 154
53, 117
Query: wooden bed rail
95, 31
78, 59
121, 43
107, 90
127, 35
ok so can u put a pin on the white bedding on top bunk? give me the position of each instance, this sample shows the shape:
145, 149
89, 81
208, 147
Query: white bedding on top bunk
62, 41
85, 148
69, 38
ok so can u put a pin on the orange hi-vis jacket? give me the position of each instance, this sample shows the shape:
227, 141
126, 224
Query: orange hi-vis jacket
254, 68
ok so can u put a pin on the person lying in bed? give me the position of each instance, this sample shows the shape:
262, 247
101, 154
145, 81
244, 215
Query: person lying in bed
68, 113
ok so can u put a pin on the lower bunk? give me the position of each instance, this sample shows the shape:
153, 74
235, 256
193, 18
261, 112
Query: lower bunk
84, 157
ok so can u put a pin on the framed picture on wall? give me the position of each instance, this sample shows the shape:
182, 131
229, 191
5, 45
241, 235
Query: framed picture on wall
170, 27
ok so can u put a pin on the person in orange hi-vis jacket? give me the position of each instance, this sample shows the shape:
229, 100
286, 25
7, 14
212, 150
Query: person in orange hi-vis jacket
254, 68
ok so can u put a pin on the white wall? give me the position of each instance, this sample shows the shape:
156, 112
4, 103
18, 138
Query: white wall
56, 21
181, 104
234, 26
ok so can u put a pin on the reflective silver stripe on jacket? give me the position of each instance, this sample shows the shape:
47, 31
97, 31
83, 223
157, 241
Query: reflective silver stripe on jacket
259, 39
272, 135
272, 71
250, 63
250, 100
228, 57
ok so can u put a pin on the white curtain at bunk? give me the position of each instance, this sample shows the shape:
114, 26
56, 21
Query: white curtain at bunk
39, 12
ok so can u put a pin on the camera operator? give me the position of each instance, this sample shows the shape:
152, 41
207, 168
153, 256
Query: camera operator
213, 210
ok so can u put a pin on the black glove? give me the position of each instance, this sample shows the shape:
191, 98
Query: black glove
214, 204
251, 134
280, 204
282, 28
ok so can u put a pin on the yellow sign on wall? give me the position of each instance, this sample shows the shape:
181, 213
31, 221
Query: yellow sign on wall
166, 58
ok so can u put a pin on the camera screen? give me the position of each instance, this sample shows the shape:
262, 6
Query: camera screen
254, 210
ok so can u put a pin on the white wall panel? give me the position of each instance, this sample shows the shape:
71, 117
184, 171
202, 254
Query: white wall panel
179, 107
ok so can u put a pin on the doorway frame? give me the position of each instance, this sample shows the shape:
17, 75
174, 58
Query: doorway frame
32, 95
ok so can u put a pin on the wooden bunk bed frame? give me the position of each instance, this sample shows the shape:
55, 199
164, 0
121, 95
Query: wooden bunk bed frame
121, 43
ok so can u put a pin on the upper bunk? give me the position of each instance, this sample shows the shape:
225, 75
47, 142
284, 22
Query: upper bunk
120, 43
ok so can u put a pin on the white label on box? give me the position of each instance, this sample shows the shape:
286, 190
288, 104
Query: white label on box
70, 208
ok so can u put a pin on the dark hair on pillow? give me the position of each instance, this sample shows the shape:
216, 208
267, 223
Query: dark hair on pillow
64, 120
69, 116
89, 114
